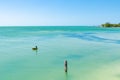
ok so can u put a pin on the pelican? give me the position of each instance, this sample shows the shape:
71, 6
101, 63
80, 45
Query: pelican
35, 48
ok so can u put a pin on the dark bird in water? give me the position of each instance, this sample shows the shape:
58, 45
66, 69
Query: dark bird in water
35, 48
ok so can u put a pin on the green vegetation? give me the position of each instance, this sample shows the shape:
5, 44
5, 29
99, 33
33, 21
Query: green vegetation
110, 25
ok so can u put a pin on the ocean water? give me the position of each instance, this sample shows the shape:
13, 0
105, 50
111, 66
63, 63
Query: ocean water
93, 53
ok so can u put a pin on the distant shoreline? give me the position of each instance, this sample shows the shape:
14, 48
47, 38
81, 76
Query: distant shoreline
110, 25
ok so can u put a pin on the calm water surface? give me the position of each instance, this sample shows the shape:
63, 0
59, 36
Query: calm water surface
93, 53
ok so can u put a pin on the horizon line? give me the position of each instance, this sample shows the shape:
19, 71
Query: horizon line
42, 25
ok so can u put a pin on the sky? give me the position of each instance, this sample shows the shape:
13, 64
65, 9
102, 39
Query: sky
58, 12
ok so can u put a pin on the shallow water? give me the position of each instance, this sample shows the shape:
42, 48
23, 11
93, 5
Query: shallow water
92, 53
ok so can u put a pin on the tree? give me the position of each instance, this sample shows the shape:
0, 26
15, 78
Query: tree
110, 25
107, 24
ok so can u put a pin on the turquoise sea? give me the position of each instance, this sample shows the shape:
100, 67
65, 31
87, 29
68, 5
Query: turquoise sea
93, 53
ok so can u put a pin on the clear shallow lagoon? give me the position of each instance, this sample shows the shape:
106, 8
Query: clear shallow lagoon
93, 53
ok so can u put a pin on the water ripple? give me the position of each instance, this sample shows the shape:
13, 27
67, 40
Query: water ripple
91, 37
